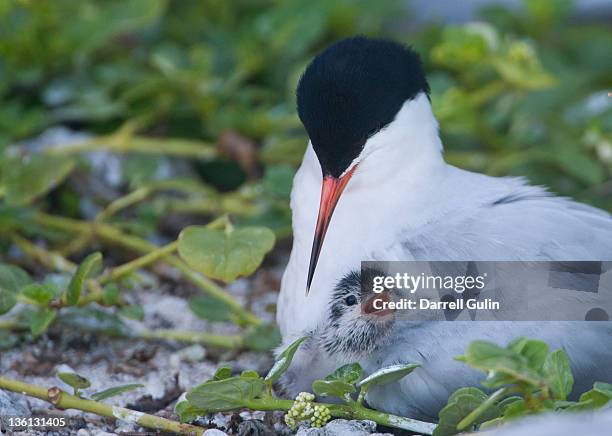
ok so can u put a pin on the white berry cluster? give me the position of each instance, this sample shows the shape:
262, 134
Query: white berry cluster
304, 410
320, 416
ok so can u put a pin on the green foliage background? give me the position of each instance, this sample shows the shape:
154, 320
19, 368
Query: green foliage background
521, 93
207, 87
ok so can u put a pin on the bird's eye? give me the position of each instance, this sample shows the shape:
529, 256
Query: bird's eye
350, 300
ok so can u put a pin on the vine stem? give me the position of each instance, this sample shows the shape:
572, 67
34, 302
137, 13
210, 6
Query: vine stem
141, 145
64, 400
225, 341
51, 260
9, 324
57, 262
145, 191
140, 262
350, 412
194, 337
112, 235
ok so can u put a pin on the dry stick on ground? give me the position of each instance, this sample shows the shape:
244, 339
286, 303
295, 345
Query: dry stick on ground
64, 400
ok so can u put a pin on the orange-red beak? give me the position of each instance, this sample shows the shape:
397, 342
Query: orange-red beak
330, 194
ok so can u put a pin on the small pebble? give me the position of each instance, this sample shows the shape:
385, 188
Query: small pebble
222, 420
214, 432
340, 427
125, 428
255, 427
193, 353
14, 404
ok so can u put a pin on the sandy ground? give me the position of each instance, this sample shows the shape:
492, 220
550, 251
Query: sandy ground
165, 368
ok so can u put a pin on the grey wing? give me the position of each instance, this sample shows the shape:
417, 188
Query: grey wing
524, 225
517, 222
423, 393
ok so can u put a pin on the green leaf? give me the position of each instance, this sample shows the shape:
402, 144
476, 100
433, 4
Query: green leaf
579, 164
589, 401
26, 178
224, 395
225, 255
335, 388
604, 389
504, 365
282, 149
597, 397
40, 320
13, 217
284, 361
96, 24
477, 413
278, 180
7, 300
515, 409
386, 375
249, 373
460, 404
529, 77
492, 423
187, 412
39, 293
503, 404
223, 373
350, 373
210, 309
132, 312
117, 390
264, 337
559, 373
472, 392
111, 295
90, 266
74, 380
535, 351
12, 279
460, 48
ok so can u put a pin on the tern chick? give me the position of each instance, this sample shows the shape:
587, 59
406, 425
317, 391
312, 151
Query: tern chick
354, 331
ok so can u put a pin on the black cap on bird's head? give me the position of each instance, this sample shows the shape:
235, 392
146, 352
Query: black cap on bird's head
347, 94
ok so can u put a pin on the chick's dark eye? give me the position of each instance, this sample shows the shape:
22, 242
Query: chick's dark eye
350, 300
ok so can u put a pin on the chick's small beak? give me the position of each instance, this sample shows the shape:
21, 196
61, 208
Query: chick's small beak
375, 305
331, 190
